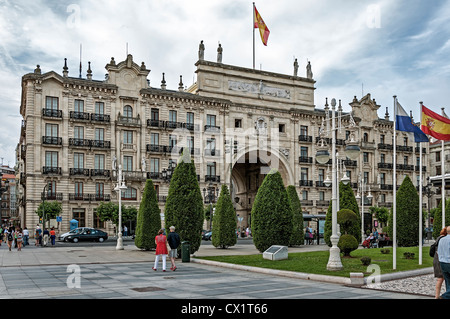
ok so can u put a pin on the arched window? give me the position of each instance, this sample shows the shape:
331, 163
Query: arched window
129, 194
366, 137
127, 111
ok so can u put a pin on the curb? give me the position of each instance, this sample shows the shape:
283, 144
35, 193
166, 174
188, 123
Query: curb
316, 277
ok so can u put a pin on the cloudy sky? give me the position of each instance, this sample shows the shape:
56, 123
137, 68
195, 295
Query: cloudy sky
382, 47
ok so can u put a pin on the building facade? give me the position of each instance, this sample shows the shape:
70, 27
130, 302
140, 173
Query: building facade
237, 123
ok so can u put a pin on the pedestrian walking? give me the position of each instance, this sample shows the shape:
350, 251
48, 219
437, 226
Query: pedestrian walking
37, 236
444, 260
161, 250
436, 265
125, 231
1, 235
10, 238
26, 237
46, 235
174, 241
52, 236
19, 239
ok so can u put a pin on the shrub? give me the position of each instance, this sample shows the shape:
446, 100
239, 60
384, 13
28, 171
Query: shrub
271, 213
224, 221
348, 222
347, 244
366, 260
385, 251
297, 237
408, 255
148, 218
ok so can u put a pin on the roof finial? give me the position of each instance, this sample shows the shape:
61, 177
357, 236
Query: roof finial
180, 85
163, 82
89, 72
65, 68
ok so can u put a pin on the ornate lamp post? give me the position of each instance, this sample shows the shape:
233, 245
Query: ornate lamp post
120, 185
167, 173
210, 195
322, 156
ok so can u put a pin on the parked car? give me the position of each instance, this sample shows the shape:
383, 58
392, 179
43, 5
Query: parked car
207, 235
72, 232
87, 234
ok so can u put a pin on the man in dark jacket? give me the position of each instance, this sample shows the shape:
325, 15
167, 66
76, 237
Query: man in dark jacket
174, 241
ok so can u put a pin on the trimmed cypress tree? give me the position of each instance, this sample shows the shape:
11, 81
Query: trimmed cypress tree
407, 215
297, 237
224, 221
271, 213
347, 200
184, 204
148, 219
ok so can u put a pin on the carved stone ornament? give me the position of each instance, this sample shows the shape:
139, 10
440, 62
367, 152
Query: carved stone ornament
261, 126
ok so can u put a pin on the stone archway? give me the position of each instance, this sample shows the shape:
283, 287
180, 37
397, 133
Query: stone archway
248, 173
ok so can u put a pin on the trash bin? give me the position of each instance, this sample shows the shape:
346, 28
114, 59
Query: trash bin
185, 253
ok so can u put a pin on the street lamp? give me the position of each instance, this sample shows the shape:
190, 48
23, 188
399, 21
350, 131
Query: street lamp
322, 156
3, 188
119, 187
167, 173
211, 197
429, 192
46, 187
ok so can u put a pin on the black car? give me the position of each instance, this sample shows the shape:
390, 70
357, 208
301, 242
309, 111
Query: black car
88, 234
207, 235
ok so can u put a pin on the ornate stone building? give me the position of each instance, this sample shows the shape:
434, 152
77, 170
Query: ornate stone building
237, 123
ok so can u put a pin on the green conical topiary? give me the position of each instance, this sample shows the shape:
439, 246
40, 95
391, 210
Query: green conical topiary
297, 237
271, 213
224, 221
148, 219
184, 204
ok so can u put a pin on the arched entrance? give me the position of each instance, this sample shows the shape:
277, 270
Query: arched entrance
248, 173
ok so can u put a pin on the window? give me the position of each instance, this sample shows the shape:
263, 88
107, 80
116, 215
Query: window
99, 190
78, 106
366, 177
321, 175
154, 139
405, 141
418, 161
438, 156
304, 174
154, 165
237, 123
282, 128
127, 137
366, 157
78, 190
51, 159
79, 214
438, 170
303, 152
129, 194
99, 108
382, 178
172, 116
78, 160
366, 137
405, 160
78, 132
99, 134
304, 195
210, 146
128, 163
99, 161
382, 158
51, 103
322, 196
51, 130
190, 142
210, 120
303, 130
127, 111
382, 139
172, 140
154, 114
211, 168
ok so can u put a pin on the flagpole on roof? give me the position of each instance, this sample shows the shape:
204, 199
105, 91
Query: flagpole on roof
442, 177
253, 27
420, 195
394, 187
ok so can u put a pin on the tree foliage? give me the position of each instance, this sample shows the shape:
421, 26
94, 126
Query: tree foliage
347, 200
184, 204
297, 237
224, 221
110, 212
407, 215
271, 213
437, 222
148, 219
50, 208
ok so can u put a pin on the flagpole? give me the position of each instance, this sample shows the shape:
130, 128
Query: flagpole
253, 27
420, 195
394, 186
443, 179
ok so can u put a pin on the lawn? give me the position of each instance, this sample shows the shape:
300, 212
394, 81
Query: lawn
316, 262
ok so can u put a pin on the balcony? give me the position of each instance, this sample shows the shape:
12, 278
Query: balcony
304, 182
320, 184
417, 168
305, 138
79, 142
100, 173
212, 178
386, 187
405, 167
305, 159
90, 197
50, 140
79, 172
212, 152
80, 116
402, 148
100, 144
51, 196
174, 125
128, 121
385, 204
385, 165
134, 175
154, 175
155, 123
52, 113
306, 202
212, 128
100, 118
49, 170
323, 203
156, 148
417, 150
382, 146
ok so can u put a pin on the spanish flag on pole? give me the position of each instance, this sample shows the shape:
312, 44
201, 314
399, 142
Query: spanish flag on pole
435, 125
259, 24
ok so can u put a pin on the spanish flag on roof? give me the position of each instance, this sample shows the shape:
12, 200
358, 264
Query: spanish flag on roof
435, 125
259, 24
